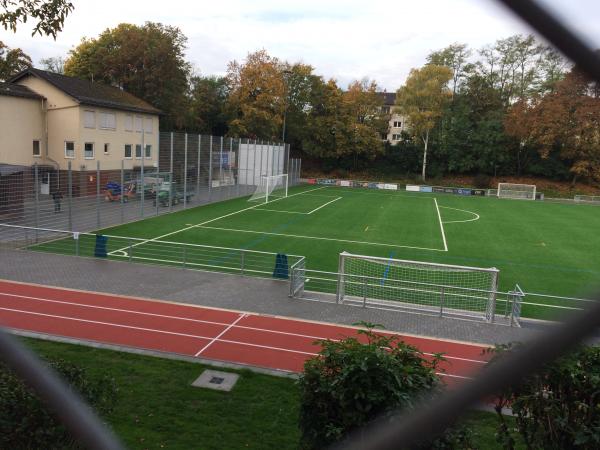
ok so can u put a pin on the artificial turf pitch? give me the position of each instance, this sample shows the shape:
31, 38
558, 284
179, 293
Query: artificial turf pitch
547, 248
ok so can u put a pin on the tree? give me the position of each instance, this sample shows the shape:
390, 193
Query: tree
257, 96
566, 119
208, 105
422, 99
54, 64
12, 61
50, 14
455, 57
147, 61
355, 380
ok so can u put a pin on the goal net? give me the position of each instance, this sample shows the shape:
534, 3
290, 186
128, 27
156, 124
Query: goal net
517, 191
270, 187
591, 199
441, 288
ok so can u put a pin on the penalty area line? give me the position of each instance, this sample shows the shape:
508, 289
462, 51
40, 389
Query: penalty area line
441, 224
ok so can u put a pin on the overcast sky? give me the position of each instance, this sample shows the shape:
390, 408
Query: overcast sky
342, 39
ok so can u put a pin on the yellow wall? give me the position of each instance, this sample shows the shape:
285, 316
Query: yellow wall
66, 123
21, 122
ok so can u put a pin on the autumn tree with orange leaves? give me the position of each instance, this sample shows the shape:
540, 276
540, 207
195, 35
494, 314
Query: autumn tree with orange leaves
566, 120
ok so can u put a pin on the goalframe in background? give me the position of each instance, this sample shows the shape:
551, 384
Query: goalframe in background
272, 186
516, 191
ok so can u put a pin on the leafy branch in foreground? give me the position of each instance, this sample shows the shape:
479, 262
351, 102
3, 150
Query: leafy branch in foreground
50, 15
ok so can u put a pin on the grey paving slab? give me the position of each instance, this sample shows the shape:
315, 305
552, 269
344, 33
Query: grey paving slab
257, 295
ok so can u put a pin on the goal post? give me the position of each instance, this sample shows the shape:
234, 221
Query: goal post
438, 288
516, 191
270, 187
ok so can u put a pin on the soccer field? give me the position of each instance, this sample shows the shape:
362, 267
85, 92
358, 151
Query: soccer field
547, 248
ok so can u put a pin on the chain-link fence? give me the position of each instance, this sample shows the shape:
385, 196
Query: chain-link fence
190, 170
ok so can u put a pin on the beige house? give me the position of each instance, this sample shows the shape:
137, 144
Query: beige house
397, 122
52, 119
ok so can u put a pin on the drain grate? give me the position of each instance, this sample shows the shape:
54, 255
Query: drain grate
215, 379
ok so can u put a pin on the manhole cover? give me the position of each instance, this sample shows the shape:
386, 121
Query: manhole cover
214, 379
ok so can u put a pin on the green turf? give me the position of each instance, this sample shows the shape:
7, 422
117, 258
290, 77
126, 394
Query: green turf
547, 248
157, 408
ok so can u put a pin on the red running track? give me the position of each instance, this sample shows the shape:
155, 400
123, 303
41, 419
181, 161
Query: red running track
224, 335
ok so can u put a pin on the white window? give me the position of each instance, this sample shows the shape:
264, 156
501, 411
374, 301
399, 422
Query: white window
127, 150
396, 137
89, 119
108, 121
69, 149
128, 122
148, 151
138, 124
148, 125
397, 124
88, 150
106, 149
138, 150
36, 148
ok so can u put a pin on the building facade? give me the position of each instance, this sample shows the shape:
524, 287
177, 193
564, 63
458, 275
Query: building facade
397, 123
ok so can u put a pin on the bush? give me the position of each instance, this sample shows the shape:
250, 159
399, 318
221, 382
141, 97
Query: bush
350, 383
25, 422
557, 408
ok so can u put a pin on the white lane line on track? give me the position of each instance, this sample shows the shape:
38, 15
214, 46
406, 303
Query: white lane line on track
231, 325
186, 319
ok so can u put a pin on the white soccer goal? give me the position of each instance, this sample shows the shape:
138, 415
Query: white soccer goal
590, 199
516, 191
439, 288
270, 187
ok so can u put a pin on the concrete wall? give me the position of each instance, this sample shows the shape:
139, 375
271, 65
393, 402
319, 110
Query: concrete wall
21, 122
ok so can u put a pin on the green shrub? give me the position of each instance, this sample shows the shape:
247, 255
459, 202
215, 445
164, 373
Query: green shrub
557, 408
351, 383
26, 423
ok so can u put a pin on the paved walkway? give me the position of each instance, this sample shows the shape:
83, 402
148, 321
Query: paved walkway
257, 295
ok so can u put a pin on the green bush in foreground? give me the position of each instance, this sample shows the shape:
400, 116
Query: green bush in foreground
351, 383
26, 423
558, 407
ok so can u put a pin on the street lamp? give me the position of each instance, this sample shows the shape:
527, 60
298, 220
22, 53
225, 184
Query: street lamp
286, 74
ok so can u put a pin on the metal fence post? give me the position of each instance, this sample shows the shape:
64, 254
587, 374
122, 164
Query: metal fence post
442, 302
122, 199
98, 194
221, 169
364, 292
130, 251
184, 256
70, 194
171, 178
242, 261
210, 164
185, 171
198, 169
37, 200
76, 238
253, 163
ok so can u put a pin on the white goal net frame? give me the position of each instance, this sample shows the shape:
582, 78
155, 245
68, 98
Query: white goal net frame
438, 288
269, 187
516, 191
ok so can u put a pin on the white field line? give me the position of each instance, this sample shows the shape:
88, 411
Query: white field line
323, 206
280, 211
441, 224
231, 325
323, 238
462, 210
210, 322
208, 221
